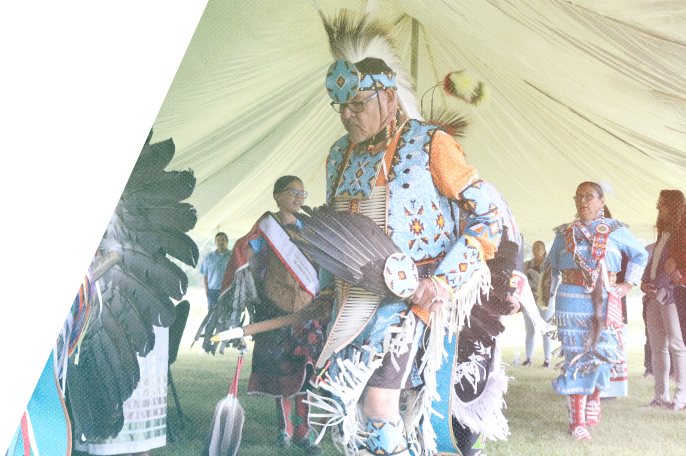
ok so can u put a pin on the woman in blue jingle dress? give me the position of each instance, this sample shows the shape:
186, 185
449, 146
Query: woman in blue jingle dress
585, 258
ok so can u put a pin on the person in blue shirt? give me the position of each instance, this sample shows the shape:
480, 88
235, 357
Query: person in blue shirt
213, 267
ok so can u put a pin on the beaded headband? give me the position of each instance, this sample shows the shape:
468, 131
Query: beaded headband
344, 80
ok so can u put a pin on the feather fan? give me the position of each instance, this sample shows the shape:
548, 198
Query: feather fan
351, 246
148, 224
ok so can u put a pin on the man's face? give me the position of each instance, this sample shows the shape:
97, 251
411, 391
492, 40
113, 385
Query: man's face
365, 124
222, 244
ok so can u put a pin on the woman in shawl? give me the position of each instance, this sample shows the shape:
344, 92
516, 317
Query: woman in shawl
283, 358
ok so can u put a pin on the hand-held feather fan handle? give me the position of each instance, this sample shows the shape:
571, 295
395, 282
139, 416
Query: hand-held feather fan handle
224, 437
234, 383
316, 312
103, 264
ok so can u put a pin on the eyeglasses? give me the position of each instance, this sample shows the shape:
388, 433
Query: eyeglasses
295, 193
586, 197
354, 106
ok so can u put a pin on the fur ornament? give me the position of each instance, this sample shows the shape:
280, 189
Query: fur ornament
460, 85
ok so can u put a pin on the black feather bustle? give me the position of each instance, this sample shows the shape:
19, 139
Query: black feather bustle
122, 358
144, 295
152, 159
178, 245
156, 270
104, 375
150, 221
175, 243
170, 216
172, 186
137, 323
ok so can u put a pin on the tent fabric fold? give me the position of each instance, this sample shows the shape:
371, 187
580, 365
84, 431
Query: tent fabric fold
575, 90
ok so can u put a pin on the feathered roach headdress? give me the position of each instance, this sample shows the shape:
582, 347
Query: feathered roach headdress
354, 38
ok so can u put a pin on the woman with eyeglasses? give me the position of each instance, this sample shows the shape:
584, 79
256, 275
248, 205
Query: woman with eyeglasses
284, 282
585, 258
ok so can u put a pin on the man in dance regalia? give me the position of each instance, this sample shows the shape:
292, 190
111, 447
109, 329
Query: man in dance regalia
412, 179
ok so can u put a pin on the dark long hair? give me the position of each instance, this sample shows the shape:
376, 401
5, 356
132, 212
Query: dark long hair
678, 223
675, 202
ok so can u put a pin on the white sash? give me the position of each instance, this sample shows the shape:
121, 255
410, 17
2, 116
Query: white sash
294, 260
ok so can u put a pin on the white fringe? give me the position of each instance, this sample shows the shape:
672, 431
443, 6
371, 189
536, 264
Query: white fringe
467, 296
345, 417
484, 414
448, 320
398, 340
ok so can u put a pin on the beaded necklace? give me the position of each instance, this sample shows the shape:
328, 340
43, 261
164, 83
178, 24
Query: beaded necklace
360, 168
598, 244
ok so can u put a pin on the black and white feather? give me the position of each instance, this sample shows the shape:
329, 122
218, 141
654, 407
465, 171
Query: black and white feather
149, 223
350, 246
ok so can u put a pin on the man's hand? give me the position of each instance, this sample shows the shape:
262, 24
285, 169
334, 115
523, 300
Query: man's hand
430, 296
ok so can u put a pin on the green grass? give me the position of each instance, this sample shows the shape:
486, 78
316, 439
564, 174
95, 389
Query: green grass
537, 416
201, 382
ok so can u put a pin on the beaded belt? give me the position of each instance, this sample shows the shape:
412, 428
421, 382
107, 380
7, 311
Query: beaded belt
575, 277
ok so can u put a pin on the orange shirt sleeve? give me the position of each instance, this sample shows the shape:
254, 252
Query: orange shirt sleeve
449, 169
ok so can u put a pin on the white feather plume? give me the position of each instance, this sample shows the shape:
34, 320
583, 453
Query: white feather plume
607, 187
354, 38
